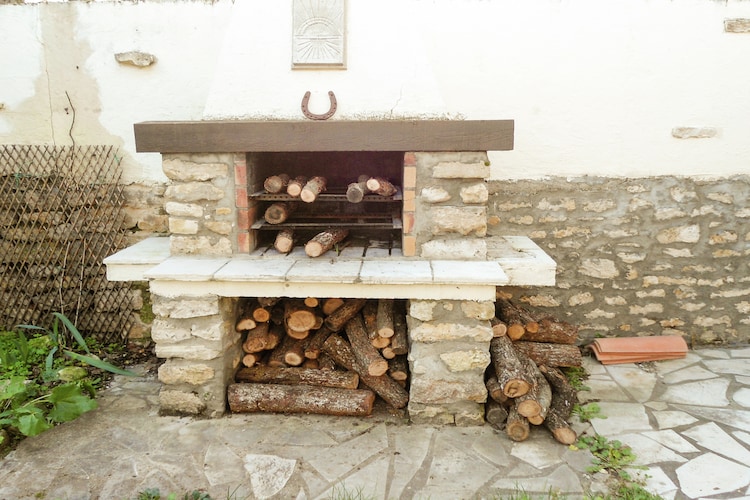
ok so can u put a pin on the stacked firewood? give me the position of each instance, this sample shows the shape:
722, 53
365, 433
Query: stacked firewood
329, 356
525, 383
307, 190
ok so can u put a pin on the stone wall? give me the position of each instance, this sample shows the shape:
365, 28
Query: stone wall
448, 354
196, 335
651, 256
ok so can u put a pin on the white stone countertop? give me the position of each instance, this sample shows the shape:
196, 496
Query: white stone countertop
514, 260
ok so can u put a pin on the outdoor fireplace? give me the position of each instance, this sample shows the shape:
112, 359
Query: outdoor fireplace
432, 250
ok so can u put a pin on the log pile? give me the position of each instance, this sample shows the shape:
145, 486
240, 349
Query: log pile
525, 384
320, 356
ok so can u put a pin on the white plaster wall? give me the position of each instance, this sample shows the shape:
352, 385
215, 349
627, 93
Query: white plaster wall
595, 87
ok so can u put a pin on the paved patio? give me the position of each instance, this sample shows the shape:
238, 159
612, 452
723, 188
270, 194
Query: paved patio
687, 420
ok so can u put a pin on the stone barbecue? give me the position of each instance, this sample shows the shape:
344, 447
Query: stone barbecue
433, 253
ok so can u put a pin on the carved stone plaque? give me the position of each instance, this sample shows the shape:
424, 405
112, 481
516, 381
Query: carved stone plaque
318, 34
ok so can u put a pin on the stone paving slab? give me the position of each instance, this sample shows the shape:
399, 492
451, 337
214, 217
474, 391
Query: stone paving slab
688, 422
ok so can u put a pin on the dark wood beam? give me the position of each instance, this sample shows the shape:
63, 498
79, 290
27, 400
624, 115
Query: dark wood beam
278, 136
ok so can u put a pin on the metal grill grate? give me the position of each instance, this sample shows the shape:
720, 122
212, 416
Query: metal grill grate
60, 215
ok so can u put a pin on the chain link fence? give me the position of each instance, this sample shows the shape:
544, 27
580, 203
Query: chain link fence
60, 215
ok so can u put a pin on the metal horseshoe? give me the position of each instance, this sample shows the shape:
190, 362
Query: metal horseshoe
315, 116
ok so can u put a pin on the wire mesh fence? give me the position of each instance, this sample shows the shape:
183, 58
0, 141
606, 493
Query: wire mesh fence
60, 215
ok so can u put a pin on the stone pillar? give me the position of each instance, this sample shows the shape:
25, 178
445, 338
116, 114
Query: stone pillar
196, 335
450, 218
448, 355
201, 202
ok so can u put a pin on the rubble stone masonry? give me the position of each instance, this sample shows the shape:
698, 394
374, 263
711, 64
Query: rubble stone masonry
650, 256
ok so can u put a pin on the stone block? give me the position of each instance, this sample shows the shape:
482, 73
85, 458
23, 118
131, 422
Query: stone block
422, 414
599, 268
135, 58
464, 414
681, 234
461, 220
459, 170
180, 403
183, 209
434, 194
422, 310
185, 307
193, 191
172, 373
200, 245
166, 331
441, 332
429, 390
188, 350
478, 310
476, 194
188, 171
468, 360
183, 226
219, 227
458, 249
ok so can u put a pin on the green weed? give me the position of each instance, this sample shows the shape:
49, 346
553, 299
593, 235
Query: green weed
588, 411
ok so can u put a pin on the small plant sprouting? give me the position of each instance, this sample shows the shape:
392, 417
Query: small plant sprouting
588, 411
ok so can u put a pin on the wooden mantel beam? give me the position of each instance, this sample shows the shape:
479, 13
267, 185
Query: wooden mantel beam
335, 135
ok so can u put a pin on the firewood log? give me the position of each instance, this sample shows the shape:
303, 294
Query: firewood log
275, 184
325, 362
294, 187
261, 338
515, 314
279, 212
312, 189
367, 355
380, 342
276, 356
370, 318
550, 354
331, 304
564, 398
356, 191
294, 351
341, 352
399, 341
494, 389
244, 315
277, 314
311, 364
381, 186
516, 425
305, 376
299, 399
251, 359
517, 319
498, 327
324, 241
387, 352
552, 330
495, 414
535, 404
268, 301
336, 320
398, 368
385, 318
508, 368
298, 317
261, 314
284, 242
311, 302
314, 344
